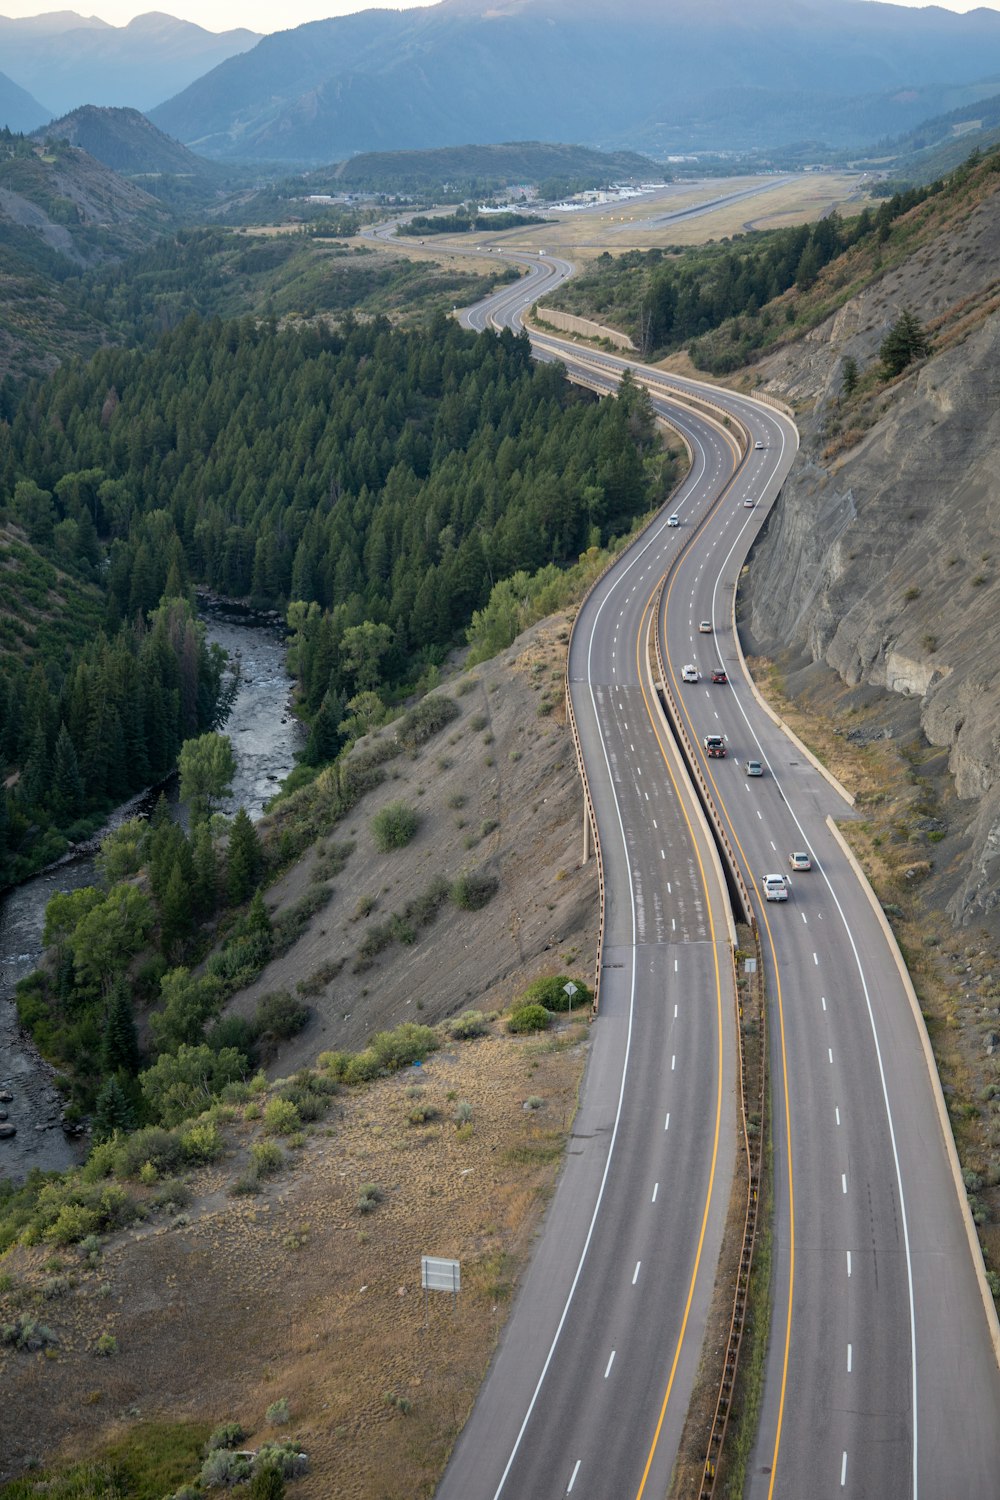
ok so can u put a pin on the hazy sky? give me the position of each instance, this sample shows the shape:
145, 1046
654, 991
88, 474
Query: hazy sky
278, 15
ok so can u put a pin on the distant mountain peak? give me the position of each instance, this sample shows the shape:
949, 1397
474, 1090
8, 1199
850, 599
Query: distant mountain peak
69, 59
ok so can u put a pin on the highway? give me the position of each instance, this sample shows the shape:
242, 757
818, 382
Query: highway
882, 1375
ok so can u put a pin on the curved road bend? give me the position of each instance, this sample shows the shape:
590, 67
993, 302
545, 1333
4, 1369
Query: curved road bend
590, 1386
881, 1378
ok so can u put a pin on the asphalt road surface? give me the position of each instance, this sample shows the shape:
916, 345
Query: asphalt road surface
881, 1377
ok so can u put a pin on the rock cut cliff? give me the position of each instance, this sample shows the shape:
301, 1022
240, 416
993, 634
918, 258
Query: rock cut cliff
882, 558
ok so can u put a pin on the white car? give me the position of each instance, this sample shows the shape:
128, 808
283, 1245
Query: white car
689, 674
758, 444
749, 503
799, 860
705, 627
775, 887
674, 520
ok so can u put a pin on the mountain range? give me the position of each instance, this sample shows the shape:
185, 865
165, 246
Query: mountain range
126, 141
708, 74
18, 110
66, 59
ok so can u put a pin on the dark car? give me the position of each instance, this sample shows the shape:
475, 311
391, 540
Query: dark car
719, 674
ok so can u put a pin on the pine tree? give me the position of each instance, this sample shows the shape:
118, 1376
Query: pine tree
258, 918
112, 1112
243, 863
120, 1046
267, 1483
850, 376
175, 910
35, 780
67, 783
906, 341
206, 873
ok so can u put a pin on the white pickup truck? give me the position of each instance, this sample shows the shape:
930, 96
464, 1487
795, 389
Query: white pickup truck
775, 887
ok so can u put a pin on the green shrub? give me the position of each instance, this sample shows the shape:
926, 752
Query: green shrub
72, 1223
528, 1018
281, 1117
277, 1413
550, 991
311, 1102
407, 1044
280, 1015
469, 1024
201, 1142
362, 1067
394, 826
369, 1198
473, 889
26, 1334
105, 1346
282, 1455
160, 1148
425, 719
422, 1114
223, 1467
463, 1112
226, 1435
266, 1158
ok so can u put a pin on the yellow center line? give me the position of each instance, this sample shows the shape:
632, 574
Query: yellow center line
643, 636
720, 803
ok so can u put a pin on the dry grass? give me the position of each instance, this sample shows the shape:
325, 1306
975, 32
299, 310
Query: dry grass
294, 1294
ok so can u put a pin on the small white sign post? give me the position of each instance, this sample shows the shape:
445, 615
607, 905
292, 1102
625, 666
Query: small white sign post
437, 1275
570, 991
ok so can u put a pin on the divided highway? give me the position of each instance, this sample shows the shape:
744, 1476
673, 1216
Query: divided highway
882, 1374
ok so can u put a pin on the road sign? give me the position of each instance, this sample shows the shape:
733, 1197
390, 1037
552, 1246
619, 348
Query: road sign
569, 990
437, 1275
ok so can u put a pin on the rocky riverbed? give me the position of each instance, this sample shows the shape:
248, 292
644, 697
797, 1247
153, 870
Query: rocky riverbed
265, 736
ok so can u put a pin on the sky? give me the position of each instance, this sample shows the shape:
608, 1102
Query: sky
279, 15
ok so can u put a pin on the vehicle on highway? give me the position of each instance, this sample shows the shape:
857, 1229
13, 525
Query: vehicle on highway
799, 860
715, 746
673, 520
719, 674
705, 627
689, 674
775, 887
758, 444
749, 503
753, 768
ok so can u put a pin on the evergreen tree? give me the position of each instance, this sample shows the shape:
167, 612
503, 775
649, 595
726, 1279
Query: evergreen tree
258, 920
267, 1483
35, 780
67, 784
906, 341
120, 1046
112, 1112
175, 910
205, 875
850, 376
244, 859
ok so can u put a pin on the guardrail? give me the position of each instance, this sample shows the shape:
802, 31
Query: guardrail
753, 1145
694, 769
752, 1139
590, 812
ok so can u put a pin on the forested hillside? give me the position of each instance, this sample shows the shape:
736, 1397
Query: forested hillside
716, 299
384, 479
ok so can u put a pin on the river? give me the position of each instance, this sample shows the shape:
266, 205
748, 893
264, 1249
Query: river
265, 736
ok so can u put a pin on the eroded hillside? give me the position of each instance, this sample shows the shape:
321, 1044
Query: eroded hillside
882, 559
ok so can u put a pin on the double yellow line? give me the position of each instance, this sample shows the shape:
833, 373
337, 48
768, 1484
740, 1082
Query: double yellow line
642, 644
751, 881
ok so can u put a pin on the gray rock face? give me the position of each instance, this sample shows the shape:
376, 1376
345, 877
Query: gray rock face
884, 560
